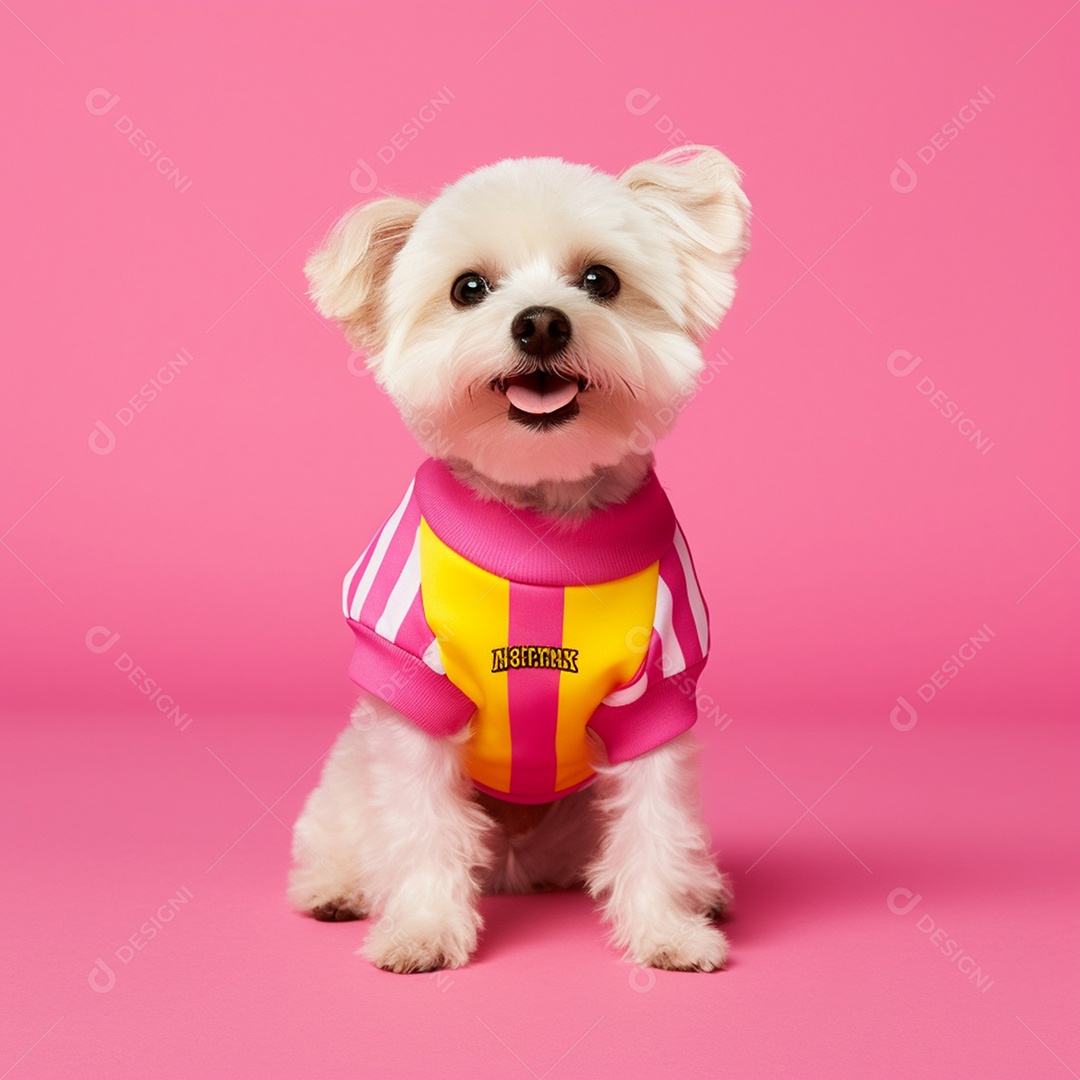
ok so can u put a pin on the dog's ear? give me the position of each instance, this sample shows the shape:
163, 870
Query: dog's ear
348, 272
693, 193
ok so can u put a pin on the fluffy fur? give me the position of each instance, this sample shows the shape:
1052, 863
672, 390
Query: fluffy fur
673, 229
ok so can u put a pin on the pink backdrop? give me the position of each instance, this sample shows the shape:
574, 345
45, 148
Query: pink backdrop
193, 459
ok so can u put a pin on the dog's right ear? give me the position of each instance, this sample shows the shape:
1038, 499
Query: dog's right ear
348, 273
693, 193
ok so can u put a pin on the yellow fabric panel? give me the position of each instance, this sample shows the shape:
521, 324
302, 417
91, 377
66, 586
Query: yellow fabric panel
468, 610
606, 623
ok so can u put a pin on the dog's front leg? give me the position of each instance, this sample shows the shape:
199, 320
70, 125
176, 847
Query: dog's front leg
428, 853
654, 873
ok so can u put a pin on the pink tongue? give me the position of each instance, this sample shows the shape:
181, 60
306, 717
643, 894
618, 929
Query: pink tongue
524, 393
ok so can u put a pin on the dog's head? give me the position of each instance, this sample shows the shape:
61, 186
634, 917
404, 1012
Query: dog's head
537, 316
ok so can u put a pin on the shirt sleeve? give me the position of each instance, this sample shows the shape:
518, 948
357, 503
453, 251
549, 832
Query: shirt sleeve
660, 702
396, 654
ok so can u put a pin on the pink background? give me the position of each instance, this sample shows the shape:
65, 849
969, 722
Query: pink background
850, 538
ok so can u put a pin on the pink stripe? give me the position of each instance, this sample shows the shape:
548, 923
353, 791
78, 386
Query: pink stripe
430, 700
682, 617
654, 659
665, 710
397, 555
415, 635
652, 665
525, 546
536, 618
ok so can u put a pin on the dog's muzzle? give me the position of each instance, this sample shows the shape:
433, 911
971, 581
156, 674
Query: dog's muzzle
542, 395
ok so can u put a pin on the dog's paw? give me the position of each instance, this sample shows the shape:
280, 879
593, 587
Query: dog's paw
695, 945
418, 948
337, 911
324, 898
720, 903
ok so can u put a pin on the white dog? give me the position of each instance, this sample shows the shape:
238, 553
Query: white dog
528, 626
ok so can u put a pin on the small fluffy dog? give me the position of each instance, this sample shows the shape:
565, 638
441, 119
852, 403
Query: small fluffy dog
529, 630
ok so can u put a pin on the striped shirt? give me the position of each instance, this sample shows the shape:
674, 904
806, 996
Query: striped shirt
536, 630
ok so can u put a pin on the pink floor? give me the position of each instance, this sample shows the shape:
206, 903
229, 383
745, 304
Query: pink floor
820, 822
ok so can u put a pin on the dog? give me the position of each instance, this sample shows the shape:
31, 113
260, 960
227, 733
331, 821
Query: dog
528, 625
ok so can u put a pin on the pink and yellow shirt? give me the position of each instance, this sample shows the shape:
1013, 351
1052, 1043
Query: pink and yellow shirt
534, 630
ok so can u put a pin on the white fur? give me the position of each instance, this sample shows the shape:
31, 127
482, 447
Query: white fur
394, 828
673, 229
653, 871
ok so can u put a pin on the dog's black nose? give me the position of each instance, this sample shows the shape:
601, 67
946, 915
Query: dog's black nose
541, 331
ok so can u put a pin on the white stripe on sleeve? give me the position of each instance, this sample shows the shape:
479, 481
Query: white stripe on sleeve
402, 595
672, 661
348, 580
693, 592
379, 554
433, 657
627, 695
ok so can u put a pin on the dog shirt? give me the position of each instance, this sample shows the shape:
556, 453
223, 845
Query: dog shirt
536, 629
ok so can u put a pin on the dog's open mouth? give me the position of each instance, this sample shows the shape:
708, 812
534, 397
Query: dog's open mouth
540, 399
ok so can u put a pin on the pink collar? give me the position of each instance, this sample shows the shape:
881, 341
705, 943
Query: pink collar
524, 546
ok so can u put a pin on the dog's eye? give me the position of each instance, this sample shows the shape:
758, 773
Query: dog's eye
469, 289
600, 282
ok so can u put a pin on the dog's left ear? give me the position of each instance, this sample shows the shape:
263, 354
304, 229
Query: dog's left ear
348, 272
693, 193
